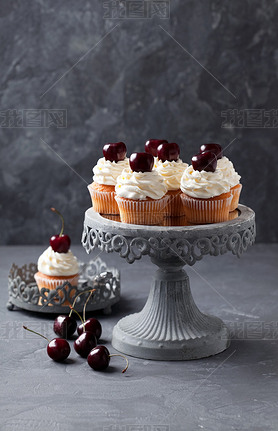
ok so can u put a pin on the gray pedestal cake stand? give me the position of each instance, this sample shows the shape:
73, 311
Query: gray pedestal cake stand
170, 326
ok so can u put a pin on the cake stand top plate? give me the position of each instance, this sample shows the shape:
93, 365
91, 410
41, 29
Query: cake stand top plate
188, 243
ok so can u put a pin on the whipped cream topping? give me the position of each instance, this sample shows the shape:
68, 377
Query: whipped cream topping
202, 184
60, 264
155, 161
140, 185
229, 172
171, 172
106, 172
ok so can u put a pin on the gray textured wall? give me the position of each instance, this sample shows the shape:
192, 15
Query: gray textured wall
169, 78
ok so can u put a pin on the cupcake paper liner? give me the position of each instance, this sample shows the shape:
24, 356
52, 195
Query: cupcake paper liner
233, 215
103, 202
175, 206
45, 281
147, 212
201, 211
236, 190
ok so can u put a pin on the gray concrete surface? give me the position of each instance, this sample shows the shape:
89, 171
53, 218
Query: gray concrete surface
235, 390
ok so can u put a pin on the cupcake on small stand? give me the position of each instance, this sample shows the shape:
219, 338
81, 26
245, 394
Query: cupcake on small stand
57, 264
141, 192
228, 170
171, 168
106, 171
206, 193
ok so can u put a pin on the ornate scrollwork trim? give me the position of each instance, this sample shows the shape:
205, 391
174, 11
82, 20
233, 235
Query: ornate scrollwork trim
165, 247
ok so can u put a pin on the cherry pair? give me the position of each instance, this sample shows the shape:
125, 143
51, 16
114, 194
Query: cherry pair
58, 349
207, 158
65, 326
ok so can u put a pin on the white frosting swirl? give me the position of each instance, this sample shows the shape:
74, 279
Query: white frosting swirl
106, 172
202, 184
171, 172
60, 264
229, 172
140, 185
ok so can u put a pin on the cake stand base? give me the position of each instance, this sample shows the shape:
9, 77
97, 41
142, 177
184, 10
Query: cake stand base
170, 326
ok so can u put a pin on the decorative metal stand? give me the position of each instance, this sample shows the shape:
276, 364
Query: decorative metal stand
170, 326
24, 292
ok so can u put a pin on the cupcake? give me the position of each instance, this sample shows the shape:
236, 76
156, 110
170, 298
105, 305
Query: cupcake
106, 171
54, 268
227, 167
141, 192
171, 168
57, 264
206, 194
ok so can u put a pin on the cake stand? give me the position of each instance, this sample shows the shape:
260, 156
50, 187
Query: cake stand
170, 326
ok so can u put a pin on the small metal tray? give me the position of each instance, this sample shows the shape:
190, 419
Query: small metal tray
25, 294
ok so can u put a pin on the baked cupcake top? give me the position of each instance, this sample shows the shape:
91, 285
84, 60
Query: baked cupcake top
106, 172
203, 184
57, 264
228, 170
171, 172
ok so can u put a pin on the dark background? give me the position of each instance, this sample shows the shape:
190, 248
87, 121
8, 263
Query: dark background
131, 84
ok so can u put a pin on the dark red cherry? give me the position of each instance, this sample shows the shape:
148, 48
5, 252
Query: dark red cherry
168, 151
64, 326
206, 161
99, 358
114, 151
152, 144
60, 244
85, 343
91, 325
141, 162
58, 349
214, 148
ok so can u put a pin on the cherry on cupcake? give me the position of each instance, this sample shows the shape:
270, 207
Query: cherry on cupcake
205, 161
58, 349
214, 148
99, 359
141, 162
152, 144
168, 151
114, 152
60, 243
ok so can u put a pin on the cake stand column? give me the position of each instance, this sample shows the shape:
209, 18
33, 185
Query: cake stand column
170, 326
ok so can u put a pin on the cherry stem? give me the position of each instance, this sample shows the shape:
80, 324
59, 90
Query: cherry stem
37, 333
81, 293
117, 354
85, 305
61, 217
71, 307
